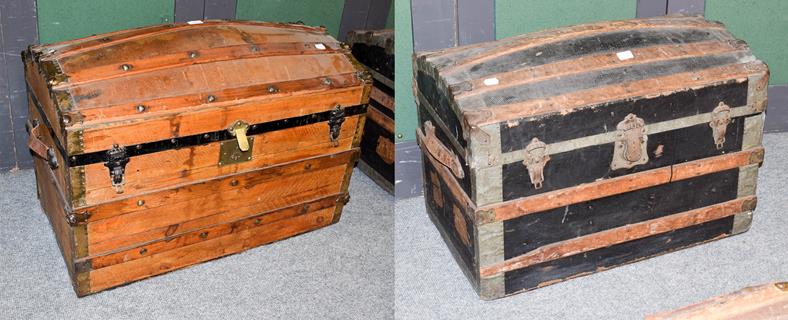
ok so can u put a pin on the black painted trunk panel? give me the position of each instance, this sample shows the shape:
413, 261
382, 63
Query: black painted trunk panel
444, 215
529, 232
589, 164
440, 102
605, 258
595, 44
375, 58
369, 142
600, 119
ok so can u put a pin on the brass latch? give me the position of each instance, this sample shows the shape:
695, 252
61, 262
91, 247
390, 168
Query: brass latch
536, 158
720, 118
630, 145
239, 150
238, 130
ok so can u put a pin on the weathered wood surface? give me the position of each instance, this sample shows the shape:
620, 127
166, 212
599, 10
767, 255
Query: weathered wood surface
595, 190
539, 125
762, 302
375, 50
192, 79
169, 94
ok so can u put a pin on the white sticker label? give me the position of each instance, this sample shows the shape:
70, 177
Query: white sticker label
491, 82
195, 22
320, 46
625, 55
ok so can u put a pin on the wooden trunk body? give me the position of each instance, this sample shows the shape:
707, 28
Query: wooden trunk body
375, 50
561, 153
165, 146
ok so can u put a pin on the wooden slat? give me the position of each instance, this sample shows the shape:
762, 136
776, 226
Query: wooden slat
597, 62
604, 188
93, 72
382, 98
215, 231
96, 42
147, 173
381, 119
767, 301
267, 191
641, 88
622, 234
487, 51
206, 78
206, 250
220, 117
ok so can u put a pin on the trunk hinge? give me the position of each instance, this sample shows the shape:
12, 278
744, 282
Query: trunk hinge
335, 121
117, 158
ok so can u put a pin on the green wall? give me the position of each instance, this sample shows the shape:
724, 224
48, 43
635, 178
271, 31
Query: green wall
390, 18
327, 13
60, 20
406, 118
763, 24
515, 17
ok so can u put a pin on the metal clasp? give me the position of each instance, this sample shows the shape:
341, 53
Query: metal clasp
238, 130
720, 118
117, 158
630, 146
536, 158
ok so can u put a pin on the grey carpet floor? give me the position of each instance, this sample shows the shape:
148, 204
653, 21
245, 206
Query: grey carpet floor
430, 285
343, 271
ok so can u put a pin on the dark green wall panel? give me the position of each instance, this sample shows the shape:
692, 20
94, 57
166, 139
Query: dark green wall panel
327, 13
406, 104
763, 24
390, 18
515, 17
60, 20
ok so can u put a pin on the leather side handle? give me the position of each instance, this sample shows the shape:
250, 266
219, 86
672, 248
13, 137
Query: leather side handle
37, 147
437, 150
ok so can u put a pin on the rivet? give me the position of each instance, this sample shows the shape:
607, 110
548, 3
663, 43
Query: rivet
193, 54
141, 108
203, 235
257, 221
211, 98
143, 250
272, 89
399, 136
140, 203
173, 140
308, 166
66, 119
125, 67
327, 81
138, 147
234, 182
206, 136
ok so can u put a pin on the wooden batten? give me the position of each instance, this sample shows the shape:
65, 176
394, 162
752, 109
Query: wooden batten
623, 234
604, 188
766, 301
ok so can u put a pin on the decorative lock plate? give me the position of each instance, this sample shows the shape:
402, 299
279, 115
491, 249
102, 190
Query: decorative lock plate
720, 118
536, 158
238, 150
117, 158
630, 146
